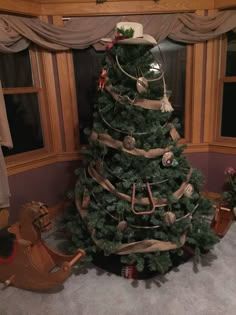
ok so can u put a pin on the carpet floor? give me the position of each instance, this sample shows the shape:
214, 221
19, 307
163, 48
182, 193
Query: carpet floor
209, 289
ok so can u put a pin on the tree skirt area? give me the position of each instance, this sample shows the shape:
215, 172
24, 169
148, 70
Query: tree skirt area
206, 289
112, 264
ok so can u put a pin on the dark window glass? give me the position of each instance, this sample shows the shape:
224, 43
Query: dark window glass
228, 126
87, 68
24, 121
172, 57
15, 69
231, 54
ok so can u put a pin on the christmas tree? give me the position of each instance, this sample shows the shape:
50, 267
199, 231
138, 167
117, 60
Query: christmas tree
136, 196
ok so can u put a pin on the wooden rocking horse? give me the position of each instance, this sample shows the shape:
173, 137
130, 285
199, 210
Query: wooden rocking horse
25, 259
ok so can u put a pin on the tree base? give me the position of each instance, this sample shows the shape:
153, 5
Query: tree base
112, 264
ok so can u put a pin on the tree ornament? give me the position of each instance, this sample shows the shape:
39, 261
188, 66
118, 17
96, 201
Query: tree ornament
167, 158
102, 80
169, 218
129, 272
174, 163
142, 85
122, 225
141, 82
129, 142
166, 105
188, 190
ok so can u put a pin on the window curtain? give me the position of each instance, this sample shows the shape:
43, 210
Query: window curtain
16, 33
5, 140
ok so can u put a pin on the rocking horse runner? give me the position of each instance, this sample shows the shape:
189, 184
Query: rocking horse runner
25, 259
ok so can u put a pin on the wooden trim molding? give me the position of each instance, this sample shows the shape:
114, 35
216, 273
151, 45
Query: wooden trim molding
223, 148
28, 161
212, 74
188, 94
194, 148
224, 4
197, 91
51, 100
21, 7
68, 95
110, 7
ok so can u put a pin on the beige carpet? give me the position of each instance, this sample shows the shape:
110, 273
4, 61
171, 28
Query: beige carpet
210, 290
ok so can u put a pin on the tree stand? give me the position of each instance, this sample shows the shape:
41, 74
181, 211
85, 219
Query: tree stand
32, 265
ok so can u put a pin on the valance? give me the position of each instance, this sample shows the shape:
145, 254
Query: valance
16, 33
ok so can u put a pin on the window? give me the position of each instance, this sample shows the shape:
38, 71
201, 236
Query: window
228, 86
87, 68
29, 90
173, 57
21, 88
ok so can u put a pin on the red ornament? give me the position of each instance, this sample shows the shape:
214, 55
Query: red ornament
129, 272
102, 80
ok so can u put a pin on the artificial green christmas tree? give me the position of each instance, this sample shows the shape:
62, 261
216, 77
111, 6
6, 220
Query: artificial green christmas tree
137, 197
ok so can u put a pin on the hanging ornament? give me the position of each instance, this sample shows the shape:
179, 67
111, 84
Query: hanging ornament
175, 163
141, 82
188, 190
166, 105
167, 158
121, 226
142, 85
102, 80
129, 142
129, 272
169, 218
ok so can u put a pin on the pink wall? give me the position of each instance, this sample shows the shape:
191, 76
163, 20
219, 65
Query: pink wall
212, 165
217, 162
200, 161
48, 184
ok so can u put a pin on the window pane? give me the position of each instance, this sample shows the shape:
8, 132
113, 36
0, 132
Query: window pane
228, 126
231, 54
15, 69
87, 68
24, 121
172, 56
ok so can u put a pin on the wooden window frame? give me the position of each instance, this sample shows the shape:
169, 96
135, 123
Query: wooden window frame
43, 85
59, 114
194, 53
215, 79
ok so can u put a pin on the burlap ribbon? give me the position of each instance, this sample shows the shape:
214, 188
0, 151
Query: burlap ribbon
107, 185
117, 144
141, 102
145, 246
